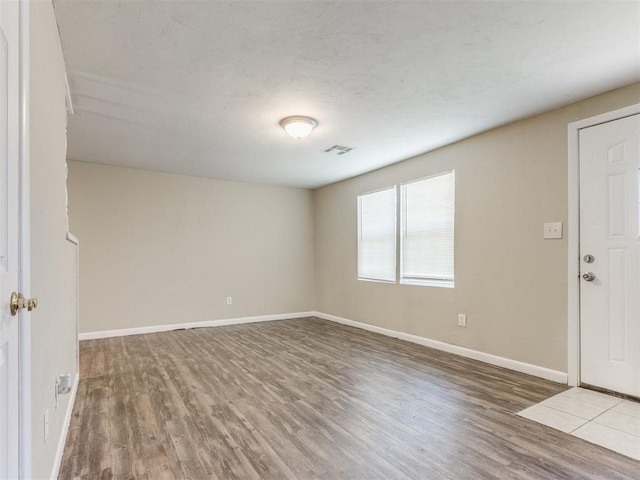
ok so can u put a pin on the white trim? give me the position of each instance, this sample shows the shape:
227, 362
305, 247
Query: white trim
25, 447
522, 367
65, 429
542, 372
573, 236
67, 91
180, 326
427, 282
72, 238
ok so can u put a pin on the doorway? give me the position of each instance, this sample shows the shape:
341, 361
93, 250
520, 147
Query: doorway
604, 252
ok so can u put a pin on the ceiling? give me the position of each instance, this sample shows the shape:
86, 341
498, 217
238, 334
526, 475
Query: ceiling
198, 87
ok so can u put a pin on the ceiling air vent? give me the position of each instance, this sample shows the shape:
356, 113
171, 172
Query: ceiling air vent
338, 149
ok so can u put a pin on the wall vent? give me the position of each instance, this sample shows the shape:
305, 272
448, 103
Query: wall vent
338, 149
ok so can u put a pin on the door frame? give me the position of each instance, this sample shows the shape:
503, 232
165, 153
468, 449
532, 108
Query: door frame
24, 250
573, 236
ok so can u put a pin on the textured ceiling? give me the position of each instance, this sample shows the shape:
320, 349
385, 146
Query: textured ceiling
199, 87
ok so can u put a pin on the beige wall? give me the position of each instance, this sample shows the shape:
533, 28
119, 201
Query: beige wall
53, 323
510, 282
160, 248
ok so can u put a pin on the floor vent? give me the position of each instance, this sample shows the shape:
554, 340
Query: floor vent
338, 149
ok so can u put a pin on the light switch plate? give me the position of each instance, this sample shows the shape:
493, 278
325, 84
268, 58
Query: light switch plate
553, 230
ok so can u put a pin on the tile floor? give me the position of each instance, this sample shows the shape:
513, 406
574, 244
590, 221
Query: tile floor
607, 421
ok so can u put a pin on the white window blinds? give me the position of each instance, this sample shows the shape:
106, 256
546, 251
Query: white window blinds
377, 235
427, 225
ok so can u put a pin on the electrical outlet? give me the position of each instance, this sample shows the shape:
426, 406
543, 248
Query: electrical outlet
46, 424
229, 300
462, 319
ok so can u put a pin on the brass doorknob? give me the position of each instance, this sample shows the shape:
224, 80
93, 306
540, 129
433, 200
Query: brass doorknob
32, 303
18, 302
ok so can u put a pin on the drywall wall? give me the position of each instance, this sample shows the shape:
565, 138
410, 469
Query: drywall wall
160, 248
510, 282
53, 278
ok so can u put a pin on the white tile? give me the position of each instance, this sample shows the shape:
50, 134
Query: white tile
610, 438
574, 407
620, 421
629, 408
553, 418
589, 396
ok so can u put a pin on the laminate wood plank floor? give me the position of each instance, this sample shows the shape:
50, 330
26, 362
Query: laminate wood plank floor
314, 400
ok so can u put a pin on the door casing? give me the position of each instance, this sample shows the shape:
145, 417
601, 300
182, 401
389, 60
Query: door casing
573, 237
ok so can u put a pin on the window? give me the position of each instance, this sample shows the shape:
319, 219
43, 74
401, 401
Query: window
427, 226
377, 235
426, 230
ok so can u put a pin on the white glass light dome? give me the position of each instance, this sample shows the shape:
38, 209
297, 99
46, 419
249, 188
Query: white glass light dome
298, 127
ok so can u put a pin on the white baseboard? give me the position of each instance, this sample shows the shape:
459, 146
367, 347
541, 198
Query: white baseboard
65, 429
535, 370
178, 326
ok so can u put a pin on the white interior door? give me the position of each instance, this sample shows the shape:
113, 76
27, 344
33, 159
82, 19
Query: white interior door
609, 234
9, 231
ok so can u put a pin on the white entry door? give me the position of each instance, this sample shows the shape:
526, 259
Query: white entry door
610, 255
9, 236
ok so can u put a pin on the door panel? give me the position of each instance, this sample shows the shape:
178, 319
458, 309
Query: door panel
9, 162
609, 230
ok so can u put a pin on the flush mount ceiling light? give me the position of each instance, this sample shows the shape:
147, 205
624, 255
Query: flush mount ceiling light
298, 127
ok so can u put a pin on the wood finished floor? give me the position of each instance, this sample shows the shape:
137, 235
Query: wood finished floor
310, 399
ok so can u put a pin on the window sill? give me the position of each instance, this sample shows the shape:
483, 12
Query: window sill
428, 282
392, 282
